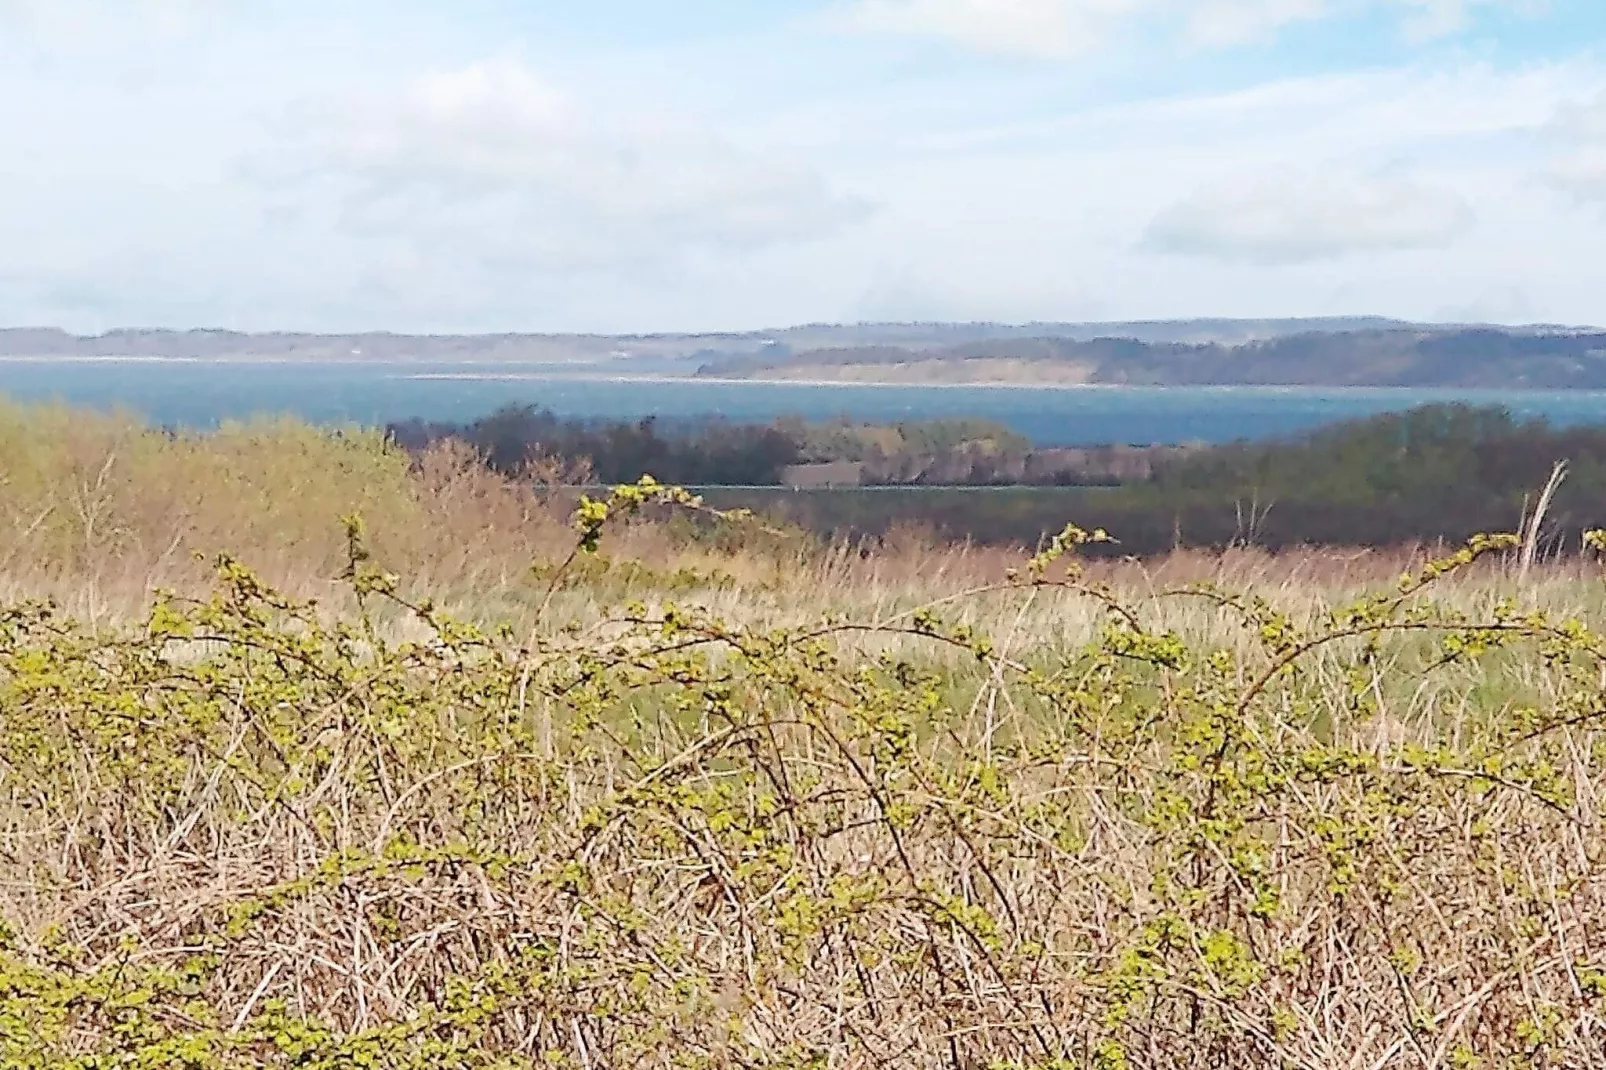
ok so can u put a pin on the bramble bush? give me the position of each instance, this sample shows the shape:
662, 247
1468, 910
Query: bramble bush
254, 834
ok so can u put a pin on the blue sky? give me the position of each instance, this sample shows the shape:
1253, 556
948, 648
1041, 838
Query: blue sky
629, 165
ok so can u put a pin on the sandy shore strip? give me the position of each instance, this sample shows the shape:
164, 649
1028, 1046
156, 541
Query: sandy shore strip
582, 377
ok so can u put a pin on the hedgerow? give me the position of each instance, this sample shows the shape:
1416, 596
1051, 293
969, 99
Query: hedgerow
255, 833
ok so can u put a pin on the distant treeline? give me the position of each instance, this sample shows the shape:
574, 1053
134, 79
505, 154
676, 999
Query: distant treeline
691, 453
1442, 472
520, 441
1488, 357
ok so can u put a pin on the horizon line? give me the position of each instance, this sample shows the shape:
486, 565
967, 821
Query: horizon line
1388, 322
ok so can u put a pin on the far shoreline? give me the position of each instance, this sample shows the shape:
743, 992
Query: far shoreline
648, 377
584, 372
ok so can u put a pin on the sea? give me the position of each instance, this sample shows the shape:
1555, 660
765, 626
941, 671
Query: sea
200, 394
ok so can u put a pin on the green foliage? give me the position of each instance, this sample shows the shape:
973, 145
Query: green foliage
692, 452
1361, 353
1438, 472
708, 451
250, 834
846, 440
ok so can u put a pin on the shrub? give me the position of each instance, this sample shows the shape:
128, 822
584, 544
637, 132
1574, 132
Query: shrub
249, 835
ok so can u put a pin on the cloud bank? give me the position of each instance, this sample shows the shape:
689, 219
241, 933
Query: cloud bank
79, 18
1580, 170
393, 166
491, 161
1296, 219
1062, 29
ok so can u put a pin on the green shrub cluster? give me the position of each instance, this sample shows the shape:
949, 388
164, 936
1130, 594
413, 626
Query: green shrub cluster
1441, 472
247, 834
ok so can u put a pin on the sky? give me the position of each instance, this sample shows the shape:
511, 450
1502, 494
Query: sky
640, 165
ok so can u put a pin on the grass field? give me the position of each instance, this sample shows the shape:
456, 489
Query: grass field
441, 788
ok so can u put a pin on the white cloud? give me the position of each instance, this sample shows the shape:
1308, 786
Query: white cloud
632, 189
1030, 214
1047, 28
1058, 29
1231, 22
492, 163
1580, 169
1583, 174
78, 18
1296, 219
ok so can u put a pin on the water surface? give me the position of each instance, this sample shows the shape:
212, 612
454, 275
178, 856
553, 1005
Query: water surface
201, 394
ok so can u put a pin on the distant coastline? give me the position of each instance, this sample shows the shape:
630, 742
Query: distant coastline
252, 358
647, 377
1355, 352
203, 393
515, 372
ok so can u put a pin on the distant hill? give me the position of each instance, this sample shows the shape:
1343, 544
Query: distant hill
1400, 356
757, 345
1354, 351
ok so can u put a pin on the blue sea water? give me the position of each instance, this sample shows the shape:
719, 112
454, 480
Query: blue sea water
201, 394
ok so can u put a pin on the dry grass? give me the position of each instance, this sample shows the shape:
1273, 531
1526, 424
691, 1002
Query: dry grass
754, 806
98, 511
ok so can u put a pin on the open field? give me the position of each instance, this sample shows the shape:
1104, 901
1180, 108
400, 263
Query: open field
443, 789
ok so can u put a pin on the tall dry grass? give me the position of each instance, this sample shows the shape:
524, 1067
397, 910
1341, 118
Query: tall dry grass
97, 511
773, 804
100, 509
